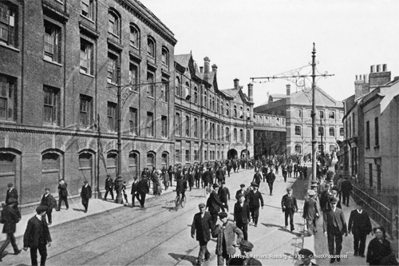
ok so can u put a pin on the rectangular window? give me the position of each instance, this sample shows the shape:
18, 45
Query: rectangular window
87, 8
52, 42
206, 155
51, 111
177, 156
370, 175
151, 85
150, 124
228, 134
332, 131
341, 131
164, 130
376, 133
165, 90
187, 155
86, 57
353, 125
8, 98
321, 131
195, 127
196, 157
112, 65
133, 119
85, 111
297, 130
111, 114
187, 126
8, 24
367, 135
134, 76
332, 115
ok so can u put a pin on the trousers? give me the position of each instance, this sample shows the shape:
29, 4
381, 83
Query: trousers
43, 254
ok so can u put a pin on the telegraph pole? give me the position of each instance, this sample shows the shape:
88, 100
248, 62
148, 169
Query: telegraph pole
313, 114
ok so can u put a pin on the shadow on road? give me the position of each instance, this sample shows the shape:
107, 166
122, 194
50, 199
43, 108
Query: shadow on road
272, 225
300, 188
78, 210
181, 257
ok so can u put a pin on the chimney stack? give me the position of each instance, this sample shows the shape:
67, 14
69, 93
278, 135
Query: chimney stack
201, 69
379, 75
236, 83
250, 92
214, 68
206, 65
288, 86
361, 86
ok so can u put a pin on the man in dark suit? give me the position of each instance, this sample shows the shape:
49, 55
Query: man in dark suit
241, 215
134, 191
202, 227
10, 216
310, 212
48, 201
220, 175
270, 177
334, 226
37, 236
346, 188
224, 195
11, 192
214, 203
241, 191
85, 194
289, 207
62, 194
360, 226
109, 187
254, 196
257, 178
142, 189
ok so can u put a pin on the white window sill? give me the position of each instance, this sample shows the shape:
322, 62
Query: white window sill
52, 62
86, 74
9, 47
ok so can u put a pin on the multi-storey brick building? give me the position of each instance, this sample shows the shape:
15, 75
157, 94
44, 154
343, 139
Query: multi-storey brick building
61, 64
297, 109
210, 124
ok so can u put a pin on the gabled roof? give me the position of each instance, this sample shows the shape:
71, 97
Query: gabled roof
183, 59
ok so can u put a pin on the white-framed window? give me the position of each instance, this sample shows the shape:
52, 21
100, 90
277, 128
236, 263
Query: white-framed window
52, 104
8, 98
133, 121
8, 24
85, 111
86, 57
150, 124
111, 115
331, 131
88, 9
134, 36
164, 126
52, 42
297, 130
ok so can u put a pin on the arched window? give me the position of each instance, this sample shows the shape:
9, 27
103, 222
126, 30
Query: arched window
165, 160
150, 47
8, 169
248, 136
114, 23
112, 158
150, 160
178, 92
235, 135
332, 131
205, 100
134, 36
227, 134
165, 57
134, 167
299, 113
51, 167
187, 126
178, 125
235, 112
195, 95
187, 88
321, 114
241, 135
332, 115
195, 127
86, 165
298, 149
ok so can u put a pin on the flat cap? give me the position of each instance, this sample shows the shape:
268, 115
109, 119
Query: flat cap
254, 184
289, 189
41, 209
222, 215
311, 192
201, 205
223, 182
12, 200
85, 181
215, 185
10, 184
242, 185
305, 252
46, 188
246, 245
333, 200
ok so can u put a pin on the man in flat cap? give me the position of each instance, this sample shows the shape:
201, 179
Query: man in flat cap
334, 226
48, 201
243, 191
289, 207
311, 212
85, 194
246, 256
224, 195
201, 227
254, 196
37, 236
225, 231
242, 215
306, 256
270, 178
214, 203
257, 178
10, 216
11, 192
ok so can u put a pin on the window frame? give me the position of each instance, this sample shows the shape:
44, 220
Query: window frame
151, 51
164, 126
298, 128
133, 121
8, 94
88, 53
5, 25
52, 51
150, 125
91, 9
111, 117
115, 30
135, 32
86, 101
55, 95
151, 84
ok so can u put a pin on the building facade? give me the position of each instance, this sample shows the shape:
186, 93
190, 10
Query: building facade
62, 64
296, 108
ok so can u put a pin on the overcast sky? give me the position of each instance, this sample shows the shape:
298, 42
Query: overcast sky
257, 38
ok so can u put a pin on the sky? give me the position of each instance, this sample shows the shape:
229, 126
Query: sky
260, 38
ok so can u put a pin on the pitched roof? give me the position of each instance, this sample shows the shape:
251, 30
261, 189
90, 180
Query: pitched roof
183, 59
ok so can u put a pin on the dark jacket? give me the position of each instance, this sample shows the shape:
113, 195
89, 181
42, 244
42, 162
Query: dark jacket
270, 177
181, 184
241, 214
62, 190
48, 201
214, 203
377, 251
359, 224
310, 210
226, 235
346, 187
202, 226
325, 201
257, 178
135, 186
239, 192
254, 198
109, 184
36, 230
142, 186
86, 192
328, 221
224, 194
245, 261
12, 194
10, 216
289, 203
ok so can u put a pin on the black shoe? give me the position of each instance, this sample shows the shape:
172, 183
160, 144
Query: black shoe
356, 254
292, 229
17, 252
338, 259
332, 260
362, 255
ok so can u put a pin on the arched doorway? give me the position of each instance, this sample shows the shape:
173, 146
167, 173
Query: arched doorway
232, 154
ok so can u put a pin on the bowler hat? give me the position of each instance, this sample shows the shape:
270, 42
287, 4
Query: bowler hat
246, 245
222, 215
242, 185
254, 184
85, 182
46, 188
41, 209
305, 252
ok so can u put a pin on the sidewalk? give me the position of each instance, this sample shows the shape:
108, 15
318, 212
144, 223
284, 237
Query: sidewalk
75, 212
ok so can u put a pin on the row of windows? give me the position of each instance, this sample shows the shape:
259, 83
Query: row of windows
52, 33
331, 130
331, 114
320, 147
376, 134
213, 155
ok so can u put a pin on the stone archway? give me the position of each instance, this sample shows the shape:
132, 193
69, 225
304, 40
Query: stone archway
232, 154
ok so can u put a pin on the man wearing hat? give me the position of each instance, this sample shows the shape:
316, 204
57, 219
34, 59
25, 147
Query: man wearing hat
346, 188
360, 226
257, 178
85, 194
246, 256
242, 215
63, 194
310, 212
289, 207
10, 216
270, 177
37, 236
109, 187
243, 191
224, 195
334, 226
225, 232
254, 196
48, 201
214, 203
306, 255
201, 227
11, 192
